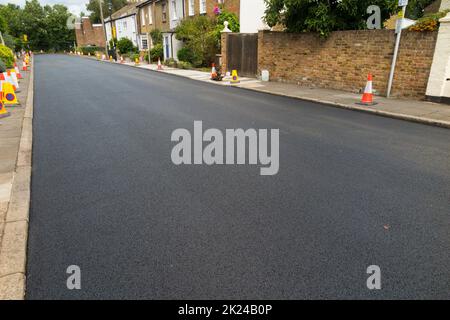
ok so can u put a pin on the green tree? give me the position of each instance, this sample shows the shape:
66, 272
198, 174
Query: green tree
59, 35
94, 7
324, 16
415, 8
34, 26
3, 25
12, 15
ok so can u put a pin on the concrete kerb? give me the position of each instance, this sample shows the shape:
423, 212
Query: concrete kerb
15, 234
386, 114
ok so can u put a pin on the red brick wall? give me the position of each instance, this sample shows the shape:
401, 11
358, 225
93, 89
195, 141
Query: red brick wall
343, 60
87, 34
229, 5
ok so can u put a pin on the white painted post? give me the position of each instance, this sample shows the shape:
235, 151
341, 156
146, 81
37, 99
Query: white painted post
403, 4
438, 86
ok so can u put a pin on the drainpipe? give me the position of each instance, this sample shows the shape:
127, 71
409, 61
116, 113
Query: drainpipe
171, 45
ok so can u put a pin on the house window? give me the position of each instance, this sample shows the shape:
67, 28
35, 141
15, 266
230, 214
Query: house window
174, 10
164, 12
124, 25
202, 6
150, 14
144, 43
142, 18
191, 7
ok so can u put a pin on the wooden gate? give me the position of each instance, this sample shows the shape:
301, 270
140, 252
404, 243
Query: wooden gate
242, 53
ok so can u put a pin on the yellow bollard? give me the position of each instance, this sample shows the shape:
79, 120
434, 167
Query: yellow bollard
234, 77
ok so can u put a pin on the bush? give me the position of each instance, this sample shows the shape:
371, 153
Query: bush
184, 65
429, 22
125, 45
171, 62
199, 36
91, 49
7, 56
186, 54
157, 52
135, 56
156, 36
2, 66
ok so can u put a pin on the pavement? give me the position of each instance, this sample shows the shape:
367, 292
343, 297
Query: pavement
353, 190
15, 174
405, 109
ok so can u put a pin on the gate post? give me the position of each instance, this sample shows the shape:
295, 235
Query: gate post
438, 89
224, 47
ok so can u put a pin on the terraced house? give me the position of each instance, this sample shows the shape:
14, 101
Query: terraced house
123, 24
165, 15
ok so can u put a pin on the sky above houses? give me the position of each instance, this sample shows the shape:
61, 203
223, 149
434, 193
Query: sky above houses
75, 6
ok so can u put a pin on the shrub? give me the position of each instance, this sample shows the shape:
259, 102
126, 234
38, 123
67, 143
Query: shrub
429, 22
199, 36
91, 49
233, 23
156, 36
7, 56
184, 65
135, 56
125, 45
157, 52
2, 66
186, 54
171, 62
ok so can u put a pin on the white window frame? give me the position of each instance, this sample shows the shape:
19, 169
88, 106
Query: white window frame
144, 38
142, 18
164, 12
202, 5
150, 14
174, 9
191, 8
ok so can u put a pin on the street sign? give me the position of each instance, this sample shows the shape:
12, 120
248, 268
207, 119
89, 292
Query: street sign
402, 3
403, 23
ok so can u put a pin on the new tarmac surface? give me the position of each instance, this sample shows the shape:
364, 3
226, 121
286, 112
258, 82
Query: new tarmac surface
353, 190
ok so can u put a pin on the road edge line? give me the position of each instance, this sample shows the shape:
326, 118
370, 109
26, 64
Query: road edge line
15, 236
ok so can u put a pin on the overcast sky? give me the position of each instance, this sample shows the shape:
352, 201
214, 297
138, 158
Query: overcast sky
75, 6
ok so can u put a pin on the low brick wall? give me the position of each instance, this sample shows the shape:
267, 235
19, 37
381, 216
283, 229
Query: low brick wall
343, 60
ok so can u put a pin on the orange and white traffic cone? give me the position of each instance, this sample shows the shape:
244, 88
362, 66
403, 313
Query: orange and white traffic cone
19, 76
159, 65
3, 112
213, 72
367, 98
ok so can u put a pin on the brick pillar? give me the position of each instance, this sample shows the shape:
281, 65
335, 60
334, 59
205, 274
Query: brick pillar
260, 49
223, 45
438, 88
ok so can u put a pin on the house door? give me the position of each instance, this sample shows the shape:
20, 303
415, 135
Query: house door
242, 53
166, 47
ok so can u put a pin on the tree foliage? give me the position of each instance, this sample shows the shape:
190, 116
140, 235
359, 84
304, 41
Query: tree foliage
7, 56
415, 8
199, 35
324, 16
45, 27
94, 7
125, 45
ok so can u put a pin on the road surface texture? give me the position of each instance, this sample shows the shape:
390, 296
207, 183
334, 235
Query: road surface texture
353, 190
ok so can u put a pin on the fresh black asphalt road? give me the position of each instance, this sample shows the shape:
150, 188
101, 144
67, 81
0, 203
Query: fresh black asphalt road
353, 190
